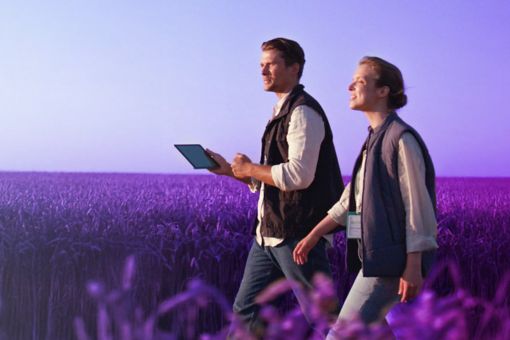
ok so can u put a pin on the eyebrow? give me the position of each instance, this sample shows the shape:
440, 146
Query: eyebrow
364, 78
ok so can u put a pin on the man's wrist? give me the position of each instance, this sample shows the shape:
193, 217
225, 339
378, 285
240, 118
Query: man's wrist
251, 170
230, 173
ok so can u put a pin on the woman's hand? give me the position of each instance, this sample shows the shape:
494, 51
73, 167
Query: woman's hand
300, 253
412, 280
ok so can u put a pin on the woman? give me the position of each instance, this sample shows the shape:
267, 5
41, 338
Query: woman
388, 208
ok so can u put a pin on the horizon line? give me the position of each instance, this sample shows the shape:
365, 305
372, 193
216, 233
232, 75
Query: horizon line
202, 173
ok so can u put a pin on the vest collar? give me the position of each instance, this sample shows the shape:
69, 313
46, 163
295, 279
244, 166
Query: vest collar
379, 130
385, 123
284, 108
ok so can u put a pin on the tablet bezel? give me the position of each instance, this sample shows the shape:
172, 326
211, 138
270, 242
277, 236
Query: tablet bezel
215, 164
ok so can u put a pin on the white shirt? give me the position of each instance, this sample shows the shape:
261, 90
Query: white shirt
421, 224
304, 137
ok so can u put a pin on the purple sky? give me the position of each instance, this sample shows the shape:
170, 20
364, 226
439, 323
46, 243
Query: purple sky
112, 85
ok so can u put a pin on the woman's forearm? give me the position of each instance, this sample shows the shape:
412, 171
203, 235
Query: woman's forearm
414, 260
323, 227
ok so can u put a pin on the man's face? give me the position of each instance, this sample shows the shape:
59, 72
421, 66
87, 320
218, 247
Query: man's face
276, 76
364, 94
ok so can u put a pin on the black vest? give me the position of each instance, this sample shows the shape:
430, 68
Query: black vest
295, 213
383, 216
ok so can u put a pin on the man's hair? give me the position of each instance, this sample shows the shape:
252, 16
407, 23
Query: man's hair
389, 75
289, 50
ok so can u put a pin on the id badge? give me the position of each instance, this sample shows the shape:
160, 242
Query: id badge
354, 225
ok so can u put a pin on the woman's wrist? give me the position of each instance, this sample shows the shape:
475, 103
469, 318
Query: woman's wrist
413, 260
314, 235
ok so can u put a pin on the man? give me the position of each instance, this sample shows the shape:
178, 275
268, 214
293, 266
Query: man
298, 178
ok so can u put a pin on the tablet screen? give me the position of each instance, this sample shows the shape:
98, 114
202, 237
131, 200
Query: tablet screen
196, 155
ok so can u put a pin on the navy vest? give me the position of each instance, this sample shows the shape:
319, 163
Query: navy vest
383, 216
295, 213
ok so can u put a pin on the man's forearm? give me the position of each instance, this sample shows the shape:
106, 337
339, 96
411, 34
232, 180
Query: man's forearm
262, 173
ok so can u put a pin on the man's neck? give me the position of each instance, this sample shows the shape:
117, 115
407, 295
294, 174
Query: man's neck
283, 92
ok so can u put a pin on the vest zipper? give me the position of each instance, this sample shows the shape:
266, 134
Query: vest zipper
362, 199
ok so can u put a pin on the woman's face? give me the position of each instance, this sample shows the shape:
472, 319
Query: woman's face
364, 94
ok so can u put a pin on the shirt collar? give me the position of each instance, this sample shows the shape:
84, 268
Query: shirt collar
279, 104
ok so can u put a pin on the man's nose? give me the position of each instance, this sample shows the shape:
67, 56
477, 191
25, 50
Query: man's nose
264, 70
350, 87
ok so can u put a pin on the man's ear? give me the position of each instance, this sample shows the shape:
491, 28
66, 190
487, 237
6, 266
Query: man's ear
295, 68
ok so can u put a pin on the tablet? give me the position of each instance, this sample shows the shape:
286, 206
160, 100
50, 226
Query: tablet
196, 155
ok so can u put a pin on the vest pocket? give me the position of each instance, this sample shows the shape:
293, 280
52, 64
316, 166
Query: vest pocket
397, 230
291, 208
393, 216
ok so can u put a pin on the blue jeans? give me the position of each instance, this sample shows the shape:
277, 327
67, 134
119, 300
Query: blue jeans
370, 298
268, 264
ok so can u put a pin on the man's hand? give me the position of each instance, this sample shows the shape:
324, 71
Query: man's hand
412, 280
241, 166
300, 253
224, 166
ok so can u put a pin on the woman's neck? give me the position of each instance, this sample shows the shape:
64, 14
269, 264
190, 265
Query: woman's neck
376, 118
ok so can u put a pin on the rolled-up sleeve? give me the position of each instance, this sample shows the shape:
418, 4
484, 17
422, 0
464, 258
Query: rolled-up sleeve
421, 223
340, 210
305, 135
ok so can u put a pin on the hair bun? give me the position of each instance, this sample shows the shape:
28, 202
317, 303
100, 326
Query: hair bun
397, 100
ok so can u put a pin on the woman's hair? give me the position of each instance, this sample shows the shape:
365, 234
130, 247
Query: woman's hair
289, 50
389, 75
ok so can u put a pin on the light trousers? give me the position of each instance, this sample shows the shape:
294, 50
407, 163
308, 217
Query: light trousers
370, 298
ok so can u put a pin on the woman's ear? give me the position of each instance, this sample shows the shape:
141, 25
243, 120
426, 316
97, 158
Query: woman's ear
383, 91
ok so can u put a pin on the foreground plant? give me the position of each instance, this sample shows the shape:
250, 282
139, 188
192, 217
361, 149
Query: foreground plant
428, 317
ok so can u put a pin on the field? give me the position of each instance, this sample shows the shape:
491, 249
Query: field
64, 240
